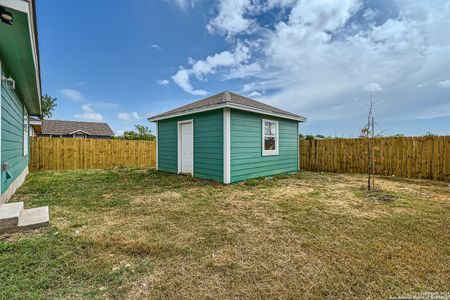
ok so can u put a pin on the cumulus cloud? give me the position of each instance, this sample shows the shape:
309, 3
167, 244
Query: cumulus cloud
231, 18
313, 56
155, 46
181, 78
255, 94
89, 114
163, 82
128, 116
72, 94
201, 68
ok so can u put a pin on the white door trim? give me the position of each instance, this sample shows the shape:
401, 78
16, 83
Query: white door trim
179, 123
226, 145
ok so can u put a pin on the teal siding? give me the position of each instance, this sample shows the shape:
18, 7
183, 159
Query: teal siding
246, 147
208, 144
12, 136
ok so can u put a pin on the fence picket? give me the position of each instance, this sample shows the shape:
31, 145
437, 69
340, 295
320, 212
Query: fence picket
412, 157
60, 154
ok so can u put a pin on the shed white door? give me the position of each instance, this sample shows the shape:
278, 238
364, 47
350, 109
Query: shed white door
187, 147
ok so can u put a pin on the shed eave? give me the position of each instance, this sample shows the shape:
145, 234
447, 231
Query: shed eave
228, 105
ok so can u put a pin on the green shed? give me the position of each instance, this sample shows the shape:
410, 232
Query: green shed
228, 138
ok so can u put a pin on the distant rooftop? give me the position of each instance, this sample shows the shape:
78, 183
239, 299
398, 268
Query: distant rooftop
58, 127
227, 99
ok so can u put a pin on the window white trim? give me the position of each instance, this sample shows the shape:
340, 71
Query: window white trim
179, 123
277, 139
226, 145
26, 132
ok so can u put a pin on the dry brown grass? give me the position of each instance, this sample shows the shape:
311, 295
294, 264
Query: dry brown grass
306, 235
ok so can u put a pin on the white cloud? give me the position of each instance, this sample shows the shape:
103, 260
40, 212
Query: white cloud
255, 94
231, 20
373, 87
155, 46
181, 78
163, 82
72, 94
89, 114
444, 83
128, 116
202, 68
317, 57
183, 4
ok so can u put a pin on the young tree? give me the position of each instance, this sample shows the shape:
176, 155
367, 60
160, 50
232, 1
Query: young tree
368, 133
48, 105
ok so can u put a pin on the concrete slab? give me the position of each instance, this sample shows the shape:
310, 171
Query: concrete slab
9, 214
33, 218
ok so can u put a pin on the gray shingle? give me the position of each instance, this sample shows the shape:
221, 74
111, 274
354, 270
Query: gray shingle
223, 98
58, 127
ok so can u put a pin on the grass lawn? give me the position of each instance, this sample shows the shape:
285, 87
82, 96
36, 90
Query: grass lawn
142, 234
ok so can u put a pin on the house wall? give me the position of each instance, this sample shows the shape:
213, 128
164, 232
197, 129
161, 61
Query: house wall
208, 144
247, 160
12, 140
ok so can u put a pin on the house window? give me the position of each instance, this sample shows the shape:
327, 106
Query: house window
25, 132
269, 137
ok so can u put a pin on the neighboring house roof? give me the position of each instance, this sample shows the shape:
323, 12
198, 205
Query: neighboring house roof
58, 127
227, 99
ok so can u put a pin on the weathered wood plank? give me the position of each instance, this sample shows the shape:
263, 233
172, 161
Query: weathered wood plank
413, 157
60, 154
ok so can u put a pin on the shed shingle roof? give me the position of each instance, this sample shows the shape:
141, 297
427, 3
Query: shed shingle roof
226, 98
58, 127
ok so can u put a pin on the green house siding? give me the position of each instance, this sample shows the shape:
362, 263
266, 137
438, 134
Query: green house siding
208, 144
247, 160
11, 136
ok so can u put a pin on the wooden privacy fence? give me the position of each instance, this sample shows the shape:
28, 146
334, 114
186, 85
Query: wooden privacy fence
412, 157
76, 153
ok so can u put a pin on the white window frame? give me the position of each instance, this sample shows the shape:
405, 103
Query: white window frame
277, 138
26, 131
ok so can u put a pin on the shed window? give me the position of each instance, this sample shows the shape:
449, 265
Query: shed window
270, 137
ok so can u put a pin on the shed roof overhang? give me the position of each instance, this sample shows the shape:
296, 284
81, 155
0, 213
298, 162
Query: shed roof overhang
19, 52
229, 105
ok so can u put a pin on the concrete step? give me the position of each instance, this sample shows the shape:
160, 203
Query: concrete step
9, 214
33, 218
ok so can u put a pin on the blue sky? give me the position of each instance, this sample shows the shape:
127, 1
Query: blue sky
122, 61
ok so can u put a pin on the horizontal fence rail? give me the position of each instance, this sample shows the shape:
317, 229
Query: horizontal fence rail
412, 157
58, 154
